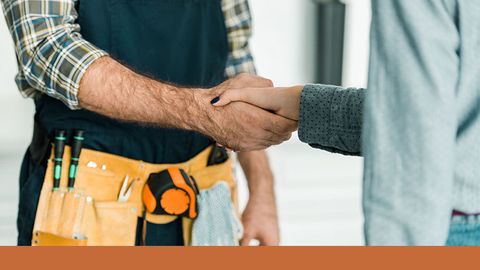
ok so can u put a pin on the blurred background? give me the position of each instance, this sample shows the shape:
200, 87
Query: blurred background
294, 42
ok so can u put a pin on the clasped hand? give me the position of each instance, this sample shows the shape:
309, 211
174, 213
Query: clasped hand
246, 113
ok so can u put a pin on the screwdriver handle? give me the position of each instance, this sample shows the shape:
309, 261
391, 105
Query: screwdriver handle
76, 150
59, 142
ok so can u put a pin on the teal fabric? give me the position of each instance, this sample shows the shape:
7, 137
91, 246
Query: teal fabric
422, 120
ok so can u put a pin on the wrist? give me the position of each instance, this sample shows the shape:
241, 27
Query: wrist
262, 197
171, 104
198, 111
261, 186
294, 94
296, 90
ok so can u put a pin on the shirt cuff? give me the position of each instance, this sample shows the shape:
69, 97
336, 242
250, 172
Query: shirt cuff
315, 114
77, 71
323, 122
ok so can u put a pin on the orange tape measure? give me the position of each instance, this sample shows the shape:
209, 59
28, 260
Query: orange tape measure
171, 192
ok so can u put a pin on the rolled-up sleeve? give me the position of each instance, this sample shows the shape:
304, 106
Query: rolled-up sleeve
52, 55
410, 122
331, 118
238, 21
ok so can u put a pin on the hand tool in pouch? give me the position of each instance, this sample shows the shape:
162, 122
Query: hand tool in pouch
218, 156
77, 143
125, 193
171, 192
59, 147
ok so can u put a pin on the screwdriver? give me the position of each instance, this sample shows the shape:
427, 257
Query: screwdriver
76, 150
60, 138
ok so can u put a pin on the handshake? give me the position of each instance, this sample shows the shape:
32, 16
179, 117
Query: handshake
246, 113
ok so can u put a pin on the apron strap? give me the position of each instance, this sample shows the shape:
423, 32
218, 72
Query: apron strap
40, 146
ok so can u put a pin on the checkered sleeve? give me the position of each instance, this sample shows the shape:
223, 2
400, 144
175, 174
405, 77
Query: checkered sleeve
238, 21
52, 55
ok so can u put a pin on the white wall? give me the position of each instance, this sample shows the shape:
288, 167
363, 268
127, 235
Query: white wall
16, 114
357, 28
283, 40
284, 37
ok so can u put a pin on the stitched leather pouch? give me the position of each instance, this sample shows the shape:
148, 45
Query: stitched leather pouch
91, 212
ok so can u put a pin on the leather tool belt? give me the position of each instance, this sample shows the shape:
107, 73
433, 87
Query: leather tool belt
92, 215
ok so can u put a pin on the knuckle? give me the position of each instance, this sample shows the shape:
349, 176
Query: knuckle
287, 137
273, 137
269, 82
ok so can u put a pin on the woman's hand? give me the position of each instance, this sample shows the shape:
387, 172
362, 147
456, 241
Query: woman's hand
284, 101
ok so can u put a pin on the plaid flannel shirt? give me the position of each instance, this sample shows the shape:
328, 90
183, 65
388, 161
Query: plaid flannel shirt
52, 55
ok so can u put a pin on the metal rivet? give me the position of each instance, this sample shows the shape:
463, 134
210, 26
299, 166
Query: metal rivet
91, 164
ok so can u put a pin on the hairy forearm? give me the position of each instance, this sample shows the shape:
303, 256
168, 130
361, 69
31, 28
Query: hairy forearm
257, 170
113, 90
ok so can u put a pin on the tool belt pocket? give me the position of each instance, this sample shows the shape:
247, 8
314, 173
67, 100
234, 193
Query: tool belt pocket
75, 218
111, 224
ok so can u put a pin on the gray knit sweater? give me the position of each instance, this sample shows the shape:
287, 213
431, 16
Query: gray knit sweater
331, 118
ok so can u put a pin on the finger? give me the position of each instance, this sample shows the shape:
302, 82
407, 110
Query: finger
287, 137
266, 241
254, 96
229, 96
278, 126
251, 144
255, 146
260, 142
262, 82
250, 80
269, 238
285, 126
259, 97
245, 241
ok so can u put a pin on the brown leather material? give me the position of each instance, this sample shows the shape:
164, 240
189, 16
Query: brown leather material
48, 239
93, 210
187, 225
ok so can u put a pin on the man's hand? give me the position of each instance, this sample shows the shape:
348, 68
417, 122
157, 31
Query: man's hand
241, 126
260, 216
260, 221
284, 101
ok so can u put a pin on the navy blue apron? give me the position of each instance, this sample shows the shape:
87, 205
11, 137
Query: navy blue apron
178, 41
